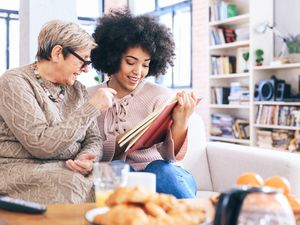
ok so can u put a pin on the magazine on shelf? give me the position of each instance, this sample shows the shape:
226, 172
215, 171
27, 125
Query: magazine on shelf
150, 131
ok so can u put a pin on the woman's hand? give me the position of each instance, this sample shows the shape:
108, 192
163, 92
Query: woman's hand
184, 109
103, 98
83, 164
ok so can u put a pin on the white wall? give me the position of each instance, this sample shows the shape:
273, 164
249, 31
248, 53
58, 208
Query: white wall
33, 14
287, 18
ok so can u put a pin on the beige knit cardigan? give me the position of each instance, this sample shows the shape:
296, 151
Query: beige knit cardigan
37, 136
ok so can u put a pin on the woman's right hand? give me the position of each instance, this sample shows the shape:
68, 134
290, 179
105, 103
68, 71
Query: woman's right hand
103, 98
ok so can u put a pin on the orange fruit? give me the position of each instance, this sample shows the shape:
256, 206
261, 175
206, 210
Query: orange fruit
250, 179
294, 202
279, 183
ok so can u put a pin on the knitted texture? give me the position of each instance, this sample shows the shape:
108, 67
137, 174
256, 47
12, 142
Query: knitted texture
37, 136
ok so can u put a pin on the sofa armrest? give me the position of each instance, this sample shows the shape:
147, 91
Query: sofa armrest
228, 161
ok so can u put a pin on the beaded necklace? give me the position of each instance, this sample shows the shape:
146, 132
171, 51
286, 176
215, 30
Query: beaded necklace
41, 81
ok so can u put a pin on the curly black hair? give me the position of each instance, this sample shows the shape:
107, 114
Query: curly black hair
119, 30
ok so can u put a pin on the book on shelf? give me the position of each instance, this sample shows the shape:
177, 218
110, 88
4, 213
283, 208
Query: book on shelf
264, 138
277, 115
242, 129
239, 94
281, 139
275, 139
152, 130
220, 10
222, 35
223, 64
220, 95
227, 126
229, 35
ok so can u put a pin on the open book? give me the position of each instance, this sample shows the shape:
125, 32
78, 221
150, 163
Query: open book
152, 130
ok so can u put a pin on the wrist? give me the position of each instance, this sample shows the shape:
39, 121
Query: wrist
182, 125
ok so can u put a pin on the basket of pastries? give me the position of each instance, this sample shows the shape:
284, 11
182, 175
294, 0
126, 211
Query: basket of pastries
138, 206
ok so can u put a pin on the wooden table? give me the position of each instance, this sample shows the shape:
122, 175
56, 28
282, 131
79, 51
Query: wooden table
58, 214
69, 214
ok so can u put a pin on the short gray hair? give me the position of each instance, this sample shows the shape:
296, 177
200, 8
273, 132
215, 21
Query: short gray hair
66, 34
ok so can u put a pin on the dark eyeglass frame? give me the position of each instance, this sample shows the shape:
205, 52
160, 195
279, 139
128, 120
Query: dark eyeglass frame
85, 62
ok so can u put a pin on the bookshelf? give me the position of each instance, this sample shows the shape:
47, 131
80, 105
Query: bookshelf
277, 122
273, 123
225, 76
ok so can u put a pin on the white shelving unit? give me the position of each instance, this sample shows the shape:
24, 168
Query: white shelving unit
220, 80
251, 14
287, 72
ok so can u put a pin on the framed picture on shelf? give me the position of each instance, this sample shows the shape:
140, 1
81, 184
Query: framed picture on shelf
242, 60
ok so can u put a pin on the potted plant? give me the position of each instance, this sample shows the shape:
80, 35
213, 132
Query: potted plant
293, 46
259, 59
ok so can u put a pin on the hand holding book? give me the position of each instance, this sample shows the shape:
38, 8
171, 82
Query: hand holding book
152, 130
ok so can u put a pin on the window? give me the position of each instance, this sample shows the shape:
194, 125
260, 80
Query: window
9, 44
164, 3
87, 16
176, 14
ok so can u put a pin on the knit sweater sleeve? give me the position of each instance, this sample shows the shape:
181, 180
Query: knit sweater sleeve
109, 144
27, 121
166, 148
92, 141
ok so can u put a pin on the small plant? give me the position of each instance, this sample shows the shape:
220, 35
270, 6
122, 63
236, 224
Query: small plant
246, 58
259, 59
293, 43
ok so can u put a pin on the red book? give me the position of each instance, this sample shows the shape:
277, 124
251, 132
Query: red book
151, 130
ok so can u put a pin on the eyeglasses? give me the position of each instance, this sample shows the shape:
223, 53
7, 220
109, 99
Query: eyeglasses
85, 62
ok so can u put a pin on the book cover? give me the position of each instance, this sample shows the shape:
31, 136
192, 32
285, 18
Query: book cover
152, 130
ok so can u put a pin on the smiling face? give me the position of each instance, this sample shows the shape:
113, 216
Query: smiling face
72, 66
133, 68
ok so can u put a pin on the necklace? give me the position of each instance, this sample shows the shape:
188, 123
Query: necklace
41, 81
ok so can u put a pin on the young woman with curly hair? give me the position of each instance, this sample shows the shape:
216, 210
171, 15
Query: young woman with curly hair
131, 48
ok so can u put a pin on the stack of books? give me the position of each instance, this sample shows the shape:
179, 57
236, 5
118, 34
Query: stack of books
239, 94
222, 125
264, 138
281, 139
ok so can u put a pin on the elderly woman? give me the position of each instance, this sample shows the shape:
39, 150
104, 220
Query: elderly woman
129, 49
49, 136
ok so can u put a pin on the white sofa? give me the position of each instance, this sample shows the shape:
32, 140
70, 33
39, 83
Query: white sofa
216, 165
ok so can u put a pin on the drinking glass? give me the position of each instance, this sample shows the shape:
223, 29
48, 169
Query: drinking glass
107, 177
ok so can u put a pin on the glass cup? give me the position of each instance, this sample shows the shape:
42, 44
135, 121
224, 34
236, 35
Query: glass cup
107, 176
143, 179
